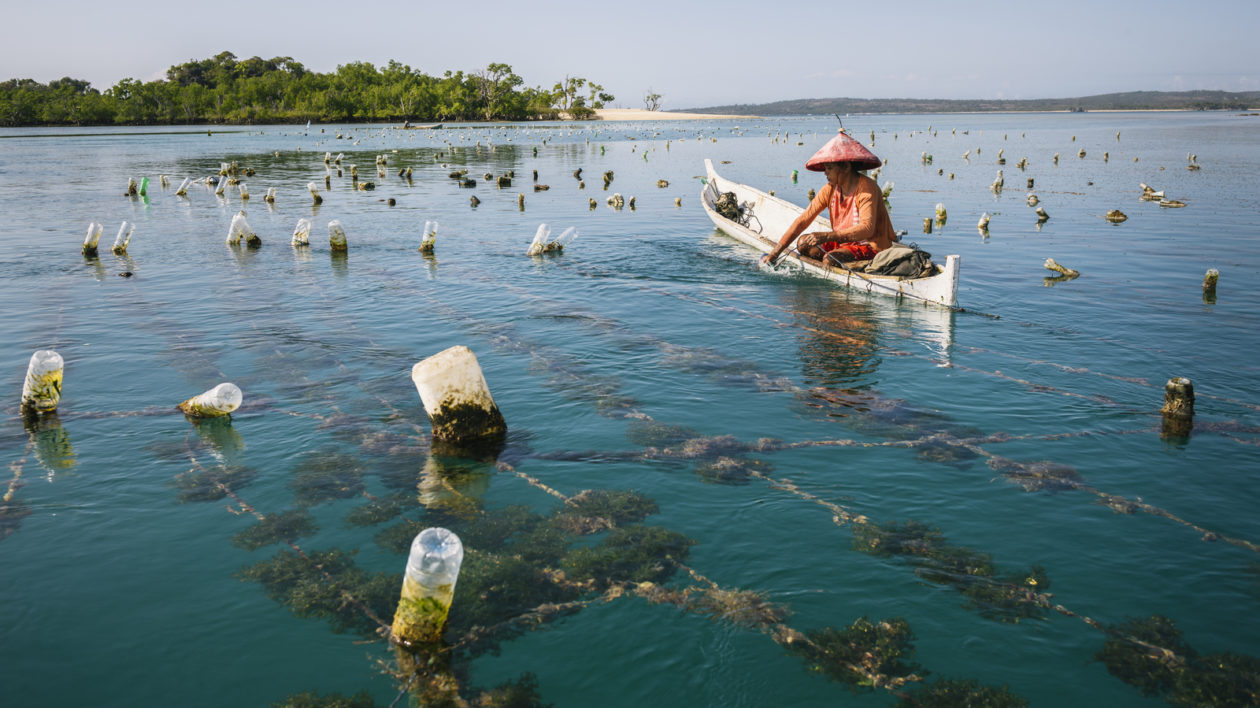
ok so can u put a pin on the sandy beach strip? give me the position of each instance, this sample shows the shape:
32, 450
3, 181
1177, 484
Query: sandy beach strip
640, 114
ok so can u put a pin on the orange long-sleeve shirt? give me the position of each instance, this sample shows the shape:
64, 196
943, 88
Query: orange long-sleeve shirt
857, 216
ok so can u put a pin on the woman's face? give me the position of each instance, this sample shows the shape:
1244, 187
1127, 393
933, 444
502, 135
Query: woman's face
835, 171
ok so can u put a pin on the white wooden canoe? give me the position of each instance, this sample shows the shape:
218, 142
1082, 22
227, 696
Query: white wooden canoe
770, 217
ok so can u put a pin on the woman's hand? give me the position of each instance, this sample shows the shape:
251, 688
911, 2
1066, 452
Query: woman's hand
814, 239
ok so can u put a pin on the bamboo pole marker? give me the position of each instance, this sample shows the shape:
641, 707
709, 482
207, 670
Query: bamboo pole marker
428, 586
93, 239
41, 391
1178, 408
456, 397
337, 237
218, 401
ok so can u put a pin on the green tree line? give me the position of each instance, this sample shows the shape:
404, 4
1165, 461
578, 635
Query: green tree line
223, 89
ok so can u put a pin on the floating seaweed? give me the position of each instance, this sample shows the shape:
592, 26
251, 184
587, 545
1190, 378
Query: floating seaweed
865, 655
378, 511
1151, 655
630, 554
280, 527
324, 476
742, 608
592, 511
1006, 598
494, 588
311, 699
731, 470
1038, 476
960, 693
301, 582
12, 511
204, 485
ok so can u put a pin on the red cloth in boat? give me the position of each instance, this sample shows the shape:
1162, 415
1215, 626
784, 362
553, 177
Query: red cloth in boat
843, 148
858, 250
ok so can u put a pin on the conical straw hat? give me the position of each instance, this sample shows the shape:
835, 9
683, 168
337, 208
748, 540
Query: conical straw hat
843, 148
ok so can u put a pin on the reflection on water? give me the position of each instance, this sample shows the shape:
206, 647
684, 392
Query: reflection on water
839, 338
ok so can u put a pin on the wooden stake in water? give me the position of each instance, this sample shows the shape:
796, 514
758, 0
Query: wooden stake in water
41, 391
1178, 408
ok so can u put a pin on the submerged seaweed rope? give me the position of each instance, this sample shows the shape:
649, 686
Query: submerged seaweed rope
1116, 503
624, 408
12, 511
1026, 477
244, 507
865, 655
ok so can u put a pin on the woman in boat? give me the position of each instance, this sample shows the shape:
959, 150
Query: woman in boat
860, 226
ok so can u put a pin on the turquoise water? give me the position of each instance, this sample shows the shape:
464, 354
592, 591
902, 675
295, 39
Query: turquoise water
648, 352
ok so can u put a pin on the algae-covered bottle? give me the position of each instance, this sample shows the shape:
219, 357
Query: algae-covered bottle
218, 401
336, 236
428, 585
302, 233
41, 391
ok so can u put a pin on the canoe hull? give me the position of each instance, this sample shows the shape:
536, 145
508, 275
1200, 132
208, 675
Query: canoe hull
771, 217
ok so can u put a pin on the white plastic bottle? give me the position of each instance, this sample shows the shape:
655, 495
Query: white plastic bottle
428, 585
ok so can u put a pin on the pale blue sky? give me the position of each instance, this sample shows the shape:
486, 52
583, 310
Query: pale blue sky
693, 53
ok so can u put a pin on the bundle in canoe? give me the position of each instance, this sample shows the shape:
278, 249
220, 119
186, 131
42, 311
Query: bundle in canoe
765, 218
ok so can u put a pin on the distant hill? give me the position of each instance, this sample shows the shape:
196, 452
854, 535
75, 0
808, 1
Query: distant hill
1130, 101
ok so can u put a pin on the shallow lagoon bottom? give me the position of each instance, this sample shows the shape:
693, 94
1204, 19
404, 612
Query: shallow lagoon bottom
743, 430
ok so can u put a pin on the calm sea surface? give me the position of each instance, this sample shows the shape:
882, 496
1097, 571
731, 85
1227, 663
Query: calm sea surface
783, 430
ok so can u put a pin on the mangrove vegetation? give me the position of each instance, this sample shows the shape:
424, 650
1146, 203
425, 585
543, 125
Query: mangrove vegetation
223, 89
